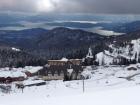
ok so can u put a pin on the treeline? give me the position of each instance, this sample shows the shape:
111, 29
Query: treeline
75, 52
10, 58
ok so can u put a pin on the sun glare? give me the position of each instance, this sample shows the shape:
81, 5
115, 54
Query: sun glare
45, 6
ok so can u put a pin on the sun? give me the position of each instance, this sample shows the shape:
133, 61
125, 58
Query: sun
45, 5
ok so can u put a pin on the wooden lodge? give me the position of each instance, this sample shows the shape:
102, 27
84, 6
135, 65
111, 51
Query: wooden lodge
58, 69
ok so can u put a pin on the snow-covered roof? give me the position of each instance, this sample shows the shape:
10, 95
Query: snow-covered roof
18, 72
15, 49
14, 73
32, 69
64, 59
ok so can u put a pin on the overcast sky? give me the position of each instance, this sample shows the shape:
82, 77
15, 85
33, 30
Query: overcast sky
73, 6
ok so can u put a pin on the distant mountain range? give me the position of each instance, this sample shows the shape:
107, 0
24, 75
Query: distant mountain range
55, 36
91, 26
52, 43
60, 42
120, 27
117, 23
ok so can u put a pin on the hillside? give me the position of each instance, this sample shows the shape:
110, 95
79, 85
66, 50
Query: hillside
63, 42
13, 57
73, 43
68, 42
55, 43
106, 86
124, 53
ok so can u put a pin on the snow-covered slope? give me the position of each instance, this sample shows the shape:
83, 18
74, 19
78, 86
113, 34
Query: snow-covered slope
107, 86
127, 52
124, 96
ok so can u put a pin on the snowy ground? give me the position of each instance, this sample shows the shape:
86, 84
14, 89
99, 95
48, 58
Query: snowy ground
107, 86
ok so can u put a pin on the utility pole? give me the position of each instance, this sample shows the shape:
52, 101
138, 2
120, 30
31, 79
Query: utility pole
83, 85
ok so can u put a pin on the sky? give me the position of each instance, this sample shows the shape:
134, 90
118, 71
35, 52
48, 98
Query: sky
72, 6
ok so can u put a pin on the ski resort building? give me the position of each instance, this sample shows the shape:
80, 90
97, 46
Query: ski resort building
59, 69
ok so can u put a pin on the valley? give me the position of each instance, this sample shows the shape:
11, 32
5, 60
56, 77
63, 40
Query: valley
69, 59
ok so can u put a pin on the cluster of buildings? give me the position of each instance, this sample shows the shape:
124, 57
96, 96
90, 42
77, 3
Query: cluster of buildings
64, 69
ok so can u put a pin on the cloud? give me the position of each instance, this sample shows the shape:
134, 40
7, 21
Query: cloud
17, 5
72, 6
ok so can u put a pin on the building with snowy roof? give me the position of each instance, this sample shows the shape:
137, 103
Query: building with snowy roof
65, 61
57, 69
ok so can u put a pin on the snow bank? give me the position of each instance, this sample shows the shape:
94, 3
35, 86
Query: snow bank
30, 82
